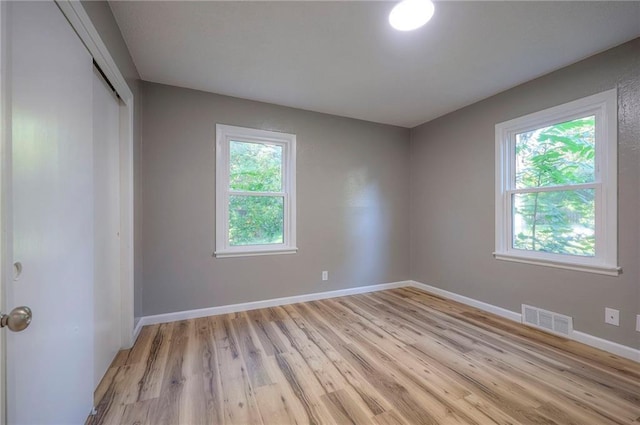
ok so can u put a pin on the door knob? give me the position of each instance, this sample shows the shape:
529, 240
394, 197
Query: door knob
18, 320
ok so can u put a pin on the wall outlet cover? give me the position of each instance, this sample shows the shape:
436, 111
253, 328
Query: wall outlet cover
325, 275
612, 316
638, 323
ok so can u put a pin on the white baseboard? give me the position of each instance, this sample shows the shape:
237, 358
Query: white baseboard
499, 311
137, 327
606, 345
593, 341
587, 339
254, 305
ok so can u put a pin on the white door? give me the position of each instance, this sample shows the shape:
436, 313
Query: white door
50, 364
106, 189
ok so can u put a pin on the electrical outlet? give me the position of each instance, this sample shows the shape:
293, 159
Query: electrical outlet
638, 323
325, 275
612, 316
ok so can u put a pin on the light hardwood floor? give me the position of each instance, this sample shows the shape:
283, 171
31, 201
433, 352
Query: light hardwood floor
394, 357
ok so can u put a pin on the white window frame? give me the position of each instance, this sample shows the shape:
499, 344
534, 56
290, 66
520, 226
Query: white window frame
224, 135
604, 107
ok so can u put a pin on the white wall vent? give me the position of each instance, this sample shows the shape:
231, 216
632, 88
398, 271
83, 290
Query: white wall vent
547, 320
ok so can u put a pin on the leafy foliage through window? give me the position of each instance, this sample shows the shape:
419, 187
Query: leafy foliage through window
556, 186
558, 221
255, 191
256, 218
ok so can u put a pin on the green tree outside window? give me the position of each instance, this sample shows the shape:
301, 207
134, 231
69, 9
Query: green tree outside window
556, 221
256, 203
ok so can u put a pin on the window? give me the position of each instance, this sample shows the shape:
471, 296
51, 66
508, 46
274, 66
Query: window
255, 192
556, 186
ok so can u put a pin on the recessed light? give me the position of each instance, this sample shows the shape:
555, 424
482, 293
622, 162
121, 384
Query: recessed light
409, 15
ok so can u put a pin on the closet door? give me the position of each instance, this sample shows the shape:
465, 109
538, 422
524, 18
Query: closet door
106, 189
51, 233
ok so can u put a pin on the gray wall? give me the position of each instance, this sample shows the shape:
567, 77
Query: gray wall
452, 201
102, 18
352, 200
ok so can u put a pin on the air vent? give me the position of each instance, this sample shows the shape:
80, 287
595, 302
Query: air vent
547, 320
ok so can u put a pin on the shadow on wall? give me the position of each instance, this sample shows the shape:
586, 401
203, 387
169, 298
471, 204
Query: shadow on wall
367, 229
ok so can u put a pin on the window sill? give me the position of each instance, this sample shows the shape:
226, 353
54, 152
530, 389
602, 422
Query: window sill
254, 252
589, 268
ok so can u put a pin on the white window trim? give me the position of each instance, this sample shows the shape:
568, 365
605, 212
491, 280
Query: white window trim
226, 133
604, 106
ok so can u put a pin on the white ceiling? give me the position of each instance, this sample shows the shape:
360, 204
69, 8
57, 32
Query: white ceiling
343, 58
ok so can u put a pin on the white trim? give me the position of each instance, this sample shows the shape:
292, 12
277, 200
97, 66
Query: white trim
604, 107
126, 225
498, 311
593, 341
274, 302
5, 198
606, 345
584, 338
254, 251
591, 268
82, 25
559, 188
224, 135
137, 328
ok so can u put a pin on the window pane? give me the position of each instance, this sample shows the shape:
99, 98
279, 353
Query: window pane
256, 220
255, 167
560, 222
556, 155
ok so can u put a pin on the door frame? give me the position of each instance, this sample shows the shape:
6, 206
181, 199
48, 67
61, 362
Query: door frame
82, 25
5, 194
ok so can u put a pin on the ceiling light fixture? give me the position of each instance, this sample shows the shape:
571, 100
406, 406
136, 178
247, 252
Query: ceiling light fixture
409, 15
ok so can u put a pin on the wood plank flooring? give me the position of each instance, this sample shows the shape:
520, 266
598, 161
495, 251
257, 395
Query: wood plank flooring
386, 358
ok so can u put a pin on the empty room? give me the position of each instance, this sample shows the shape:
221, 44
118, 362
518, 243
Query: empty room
320, 212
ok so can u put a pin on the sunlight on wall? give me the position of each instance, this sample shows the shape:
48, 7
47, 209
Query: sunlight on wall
367, 227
